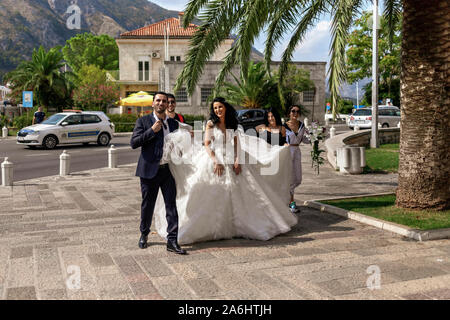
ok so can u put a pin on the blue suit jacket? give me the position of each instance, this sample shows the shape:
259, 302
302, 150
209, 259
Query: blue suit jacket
151, 144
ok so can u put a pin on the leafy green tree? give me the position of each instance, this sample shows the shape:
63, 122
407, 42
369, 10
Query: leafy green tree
87, 48
42, 75
94, 92
359, 55
384, 91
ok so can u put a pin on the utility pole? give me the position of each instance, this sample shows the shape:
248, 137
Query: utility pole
374, 143
357, 95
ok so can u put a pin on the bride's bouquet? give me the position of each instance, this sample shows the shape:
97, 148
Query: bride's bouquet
316, 133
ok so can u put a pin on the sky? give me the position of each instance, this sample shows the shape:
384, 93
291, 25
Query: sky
315, 46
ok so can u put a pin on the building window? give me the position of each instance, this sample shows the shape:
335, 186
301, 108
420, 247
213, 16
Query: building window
181, 95
175, 58
172, 58
205, 93
308, 96
144, 69
178, 58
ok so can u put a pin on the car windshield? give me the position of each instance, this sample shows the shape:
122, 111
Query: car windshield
54, 119
363, 112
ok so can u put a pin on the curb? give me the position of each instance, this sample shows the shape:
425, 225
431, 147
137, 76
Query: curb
122, 134
416, 234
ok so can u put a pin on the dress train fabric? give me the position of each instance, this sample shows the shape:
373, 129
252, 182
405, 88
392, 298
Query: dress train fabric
250, 205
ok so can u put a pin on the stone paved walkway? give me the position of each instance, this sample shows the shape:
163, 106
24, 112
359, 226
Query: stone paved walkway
54, 227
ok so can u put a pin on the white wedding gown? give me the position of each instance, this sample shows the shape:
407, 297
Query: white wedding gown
253, 204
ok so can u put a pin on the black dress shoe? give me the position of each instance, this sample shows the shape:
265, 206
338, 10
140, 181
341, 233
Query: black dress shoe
174, 247
143, 242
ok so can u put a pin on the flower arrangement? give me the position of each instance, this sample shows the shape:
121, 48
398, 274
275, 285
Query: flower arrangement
316, 133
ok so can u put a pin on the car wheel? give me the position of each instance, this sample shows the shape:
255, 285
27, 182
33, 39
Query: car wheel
50, 142
385, 125
103, 139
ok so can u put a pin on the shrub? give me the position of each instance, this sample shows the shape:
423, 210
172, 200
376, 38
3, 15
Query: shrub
23, 121
123, 122
190, 118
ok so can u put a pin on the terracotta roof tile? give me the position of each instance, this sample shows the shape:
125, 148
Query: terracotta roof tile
157, 30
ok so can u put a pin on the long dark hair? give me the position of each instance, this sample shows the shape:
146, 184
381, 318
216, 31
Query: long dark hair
231, 121
276, 115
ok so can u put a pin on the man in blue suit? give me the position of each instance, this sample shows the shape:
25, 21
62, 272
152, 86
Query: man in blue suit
149, 133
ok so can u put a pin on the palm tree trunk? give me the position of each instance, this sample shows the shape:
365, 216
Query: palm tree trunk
424, 170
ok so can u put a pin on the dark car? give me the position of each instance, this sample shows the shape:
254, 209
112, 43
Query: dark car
250, 118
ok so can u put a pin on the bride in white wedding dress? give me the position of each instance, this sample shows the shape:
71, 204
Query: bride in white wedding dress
235, 185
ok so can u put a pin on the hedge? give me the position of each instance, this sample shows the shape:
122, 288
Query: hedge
126, 122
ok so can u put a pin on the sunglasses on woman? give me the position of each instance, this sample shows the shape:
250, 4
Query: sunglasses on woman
295, 111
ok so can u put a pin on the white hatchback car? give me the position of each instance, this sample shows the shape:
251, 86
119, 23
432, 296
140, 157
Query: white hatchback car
388, 116
68, 127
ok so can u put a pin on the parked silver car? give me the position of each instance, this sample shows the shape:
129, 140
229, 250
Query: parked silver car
388, 116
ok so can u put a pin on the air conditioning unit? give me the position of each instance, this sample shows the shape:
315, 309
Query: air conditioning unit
156, 55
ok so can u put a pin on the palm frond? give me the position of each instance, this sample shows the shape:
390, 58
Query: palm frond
191, 11
255, 15
310, 15
283, 18
343, 13
392, 13
219, 20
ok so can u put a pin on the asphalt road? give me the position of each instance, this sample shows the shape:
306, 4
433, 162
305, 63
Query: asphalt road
30, 164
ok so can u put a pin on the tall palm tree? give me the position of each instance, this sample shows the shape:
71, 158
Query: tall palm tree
43, 76
424, 173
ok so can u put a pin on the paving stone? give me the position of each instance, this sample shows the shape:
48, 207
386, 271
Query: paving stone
21, 293
204, 287
21, 252
441, 294
58, 294
143, 288
416, 296
100, 259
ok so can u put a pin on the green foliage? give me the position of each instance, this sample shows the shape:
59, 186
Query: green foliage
190, 118
23, 121
123, 122
359, 56
42, 76
256, 89
249, 18
383, 92
383, 207
94, 92
88, 49
250, 90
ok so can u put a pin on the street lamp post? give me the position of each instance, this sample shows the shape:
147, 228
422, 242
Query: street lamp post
374, 143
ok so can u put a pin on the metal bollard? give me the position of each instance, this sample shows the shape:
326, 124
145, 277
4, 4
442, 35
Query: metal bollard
398, 124
64, 164
112, 157
379, 125
4, 132
332, 131
7, 173
306, 122
356, 128
327, 122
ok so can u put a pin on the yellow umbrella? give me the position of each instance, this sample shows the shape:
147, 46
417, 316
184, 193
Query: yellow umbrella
140, 99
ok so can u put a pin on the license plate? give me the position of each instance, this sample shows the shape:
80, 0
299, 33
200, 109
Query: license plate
360, 121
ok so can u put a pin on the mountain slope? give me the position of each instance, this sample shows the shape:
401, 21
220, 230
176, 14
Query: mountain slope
27, 24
